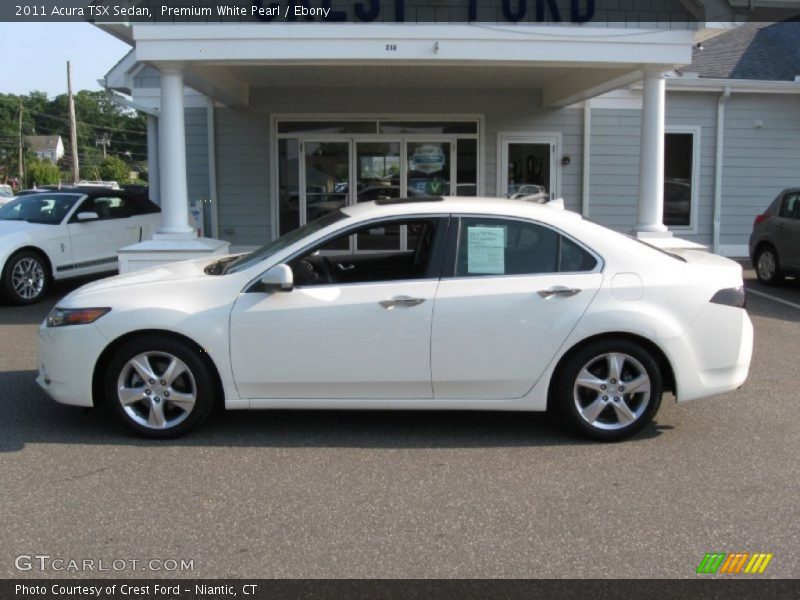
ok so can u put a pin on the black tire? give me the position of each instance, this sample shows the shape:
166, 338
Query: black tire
768, 266
33, 290
196, 379
609, 426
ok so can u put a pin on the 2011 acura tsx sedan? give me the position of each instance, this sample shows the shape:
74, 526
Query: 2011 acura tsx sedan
423, 303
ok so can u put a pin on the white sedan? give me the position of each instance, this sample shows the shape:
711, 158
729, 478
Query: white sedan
57, 234
464, 304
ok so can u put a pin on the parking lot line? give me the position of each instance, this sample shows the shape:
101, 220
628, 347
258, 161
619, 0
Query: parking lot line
776, 299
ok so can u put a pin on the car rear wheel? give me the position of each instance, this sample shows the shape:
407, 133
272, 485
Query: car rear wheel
25, 277
768, 268
160, 387
610, 389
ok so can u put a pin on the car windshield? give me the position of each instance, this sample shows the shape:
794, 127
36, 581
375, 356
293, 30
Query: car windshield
248, 260
49, 209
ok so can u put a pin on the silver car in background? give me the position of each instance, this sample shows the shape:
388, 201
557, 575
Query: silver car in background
775, 241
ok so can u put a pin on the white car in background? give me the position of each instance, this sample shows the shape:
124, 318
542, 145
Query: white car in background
56, 234
6, 194
416, 303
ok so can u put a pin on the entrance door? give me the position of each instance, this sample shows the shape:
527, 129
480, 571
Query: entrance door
528, 166
327, 177
377, 170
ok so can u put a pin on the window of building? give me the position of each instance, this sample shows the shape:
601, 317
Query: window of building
322, 165
680, 156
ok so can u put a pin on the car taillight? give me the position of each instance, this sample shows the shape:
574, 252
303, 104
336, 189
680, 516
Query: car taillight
730, 297
761, 218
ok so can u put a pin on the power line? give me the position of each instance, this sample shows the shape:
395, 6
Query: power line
106, 127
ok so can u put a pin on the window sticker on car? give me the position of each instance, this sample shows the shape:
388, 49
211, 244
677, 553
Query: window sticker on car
486, 250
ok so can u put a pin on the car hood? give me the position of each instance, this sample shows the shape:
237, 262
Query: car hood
177, 285
172, 273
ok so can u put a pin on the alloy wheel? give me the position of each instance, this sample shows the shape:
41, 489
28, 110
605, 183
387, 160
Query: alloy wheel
157, 390
766, 265
612, 391
28, 278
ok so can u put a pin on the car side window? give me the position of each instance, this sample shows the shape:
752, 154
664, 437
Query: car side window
489, 246
107, 207
372, 253
574, 259
789, 206
505, 247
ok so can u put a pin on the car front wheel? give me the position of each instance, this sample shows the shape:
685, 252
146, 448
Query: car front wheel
25, 277
768, 268
610, 389
160, 387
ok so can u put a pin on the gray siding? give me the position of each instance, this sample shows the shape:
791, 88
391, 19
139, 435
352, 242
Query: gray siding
615, 147
148, 77
758, 162
196, 120
243, 140
242, 149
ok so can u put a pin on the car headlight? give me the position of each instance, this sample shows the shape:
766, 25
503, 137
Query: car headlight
59, 317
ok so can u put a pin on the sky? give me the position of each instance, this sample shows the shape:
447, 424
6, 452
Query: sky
35, 56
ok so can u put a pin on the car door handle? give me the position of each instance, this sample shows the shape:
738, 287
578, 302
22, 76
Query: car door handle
405, 301
559, 291
342, 267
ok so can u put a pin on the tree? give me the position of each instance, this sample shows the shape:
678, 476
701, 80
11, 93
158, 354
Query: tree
40, 172
97, 115
114, 169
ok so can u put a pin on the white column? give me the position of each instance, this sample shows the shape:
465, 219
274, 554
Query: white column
152, 158
173, 191
651, 155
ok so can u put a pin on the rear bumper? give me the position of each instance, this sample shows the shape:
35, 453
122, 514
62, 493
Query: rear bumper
66, 359
713, 356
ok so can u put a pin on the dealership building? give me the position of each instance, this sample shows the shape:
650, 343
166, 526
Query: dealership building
662, 117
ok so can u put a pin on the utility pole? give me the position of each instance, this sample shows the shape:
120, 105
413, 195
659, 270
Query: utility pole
21, 151
104, 142
73, 133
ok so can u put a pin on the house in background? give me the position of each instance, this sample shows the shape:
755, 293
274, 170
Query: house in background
277, 123
46, 147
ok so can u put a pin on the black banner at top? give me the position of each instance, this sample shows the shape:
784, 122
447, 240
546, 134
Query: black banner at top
669, 12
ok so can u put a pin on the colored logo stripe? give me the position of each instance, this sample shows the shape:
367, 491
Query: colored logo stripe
732, 564
758, 564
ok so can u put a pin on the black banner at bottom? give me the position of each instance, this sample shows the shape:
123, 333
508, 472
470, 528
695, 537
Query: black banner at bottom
393, 589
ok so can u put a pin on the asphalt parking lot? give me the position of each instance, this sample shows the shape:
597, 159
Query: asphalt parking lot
450, 495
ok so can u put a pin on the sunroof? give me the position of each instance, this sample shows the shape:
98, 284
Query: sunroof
414, 200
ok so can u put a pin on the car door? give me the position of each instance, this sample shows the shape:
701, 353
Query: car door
348, 329
95, 242
787, 232
515, 292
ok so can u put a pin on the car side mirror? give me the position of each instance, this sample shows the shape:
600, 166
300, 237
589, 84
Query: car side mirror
279, 278
88, 216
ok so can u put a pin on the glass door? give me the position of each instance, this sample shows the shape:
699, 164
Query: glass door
377, 169
529, 168
327, 177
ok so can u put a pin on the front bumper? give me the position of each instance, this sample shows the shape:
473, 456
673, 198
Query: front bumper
66, 360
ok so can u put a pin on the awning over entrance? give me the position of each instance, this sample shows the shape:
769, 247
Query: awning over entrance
569, 64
